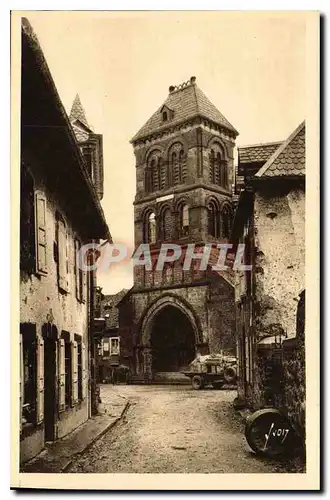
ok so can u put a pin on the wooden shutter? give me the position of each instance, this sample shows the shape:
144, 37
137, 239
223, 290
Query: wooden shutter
74, 360
61, 364
41, 240
77, 270
40, 380
21, 380
84, 371
84, 286
62, 256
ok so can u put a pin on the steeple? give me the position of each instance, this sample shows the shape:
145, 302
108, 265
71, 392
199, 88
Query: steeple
78, 112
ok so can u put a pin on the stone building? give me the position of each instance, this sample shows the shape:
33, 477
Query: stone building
60, 211
270, 221
111, 351
184, 179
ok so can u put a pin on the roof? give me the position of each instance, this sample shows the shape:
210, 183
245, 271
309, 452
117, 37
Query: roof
185, 101
77, 112
257, 153
289, 158
109, 307
51, 123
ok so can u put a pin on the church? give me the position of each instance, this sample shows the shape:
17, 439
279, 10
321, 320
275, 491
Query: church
184, 196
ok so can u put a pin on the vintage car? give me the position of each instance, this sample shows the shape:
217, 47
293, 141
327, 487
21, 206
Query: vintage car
215, 369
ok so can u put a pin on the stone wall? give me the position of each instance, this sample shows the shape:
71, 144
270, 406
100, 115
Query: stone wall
279, 221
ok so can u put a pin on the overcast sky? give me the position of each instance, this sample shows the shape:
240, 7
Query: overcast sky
251, 66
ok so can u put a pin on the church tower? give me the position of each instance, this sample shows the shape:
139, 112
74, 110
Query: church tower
184, 179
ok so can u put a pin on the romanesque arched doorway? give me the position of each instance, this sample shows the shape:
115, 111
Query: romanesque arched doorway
170, 332
172, 340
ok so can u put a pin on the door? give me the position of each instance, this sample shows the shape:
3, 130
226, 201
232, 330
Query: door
50, 388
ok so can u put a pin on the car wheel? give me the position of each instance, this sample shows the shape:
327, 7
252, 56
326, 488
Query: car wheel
230, 375
197, 382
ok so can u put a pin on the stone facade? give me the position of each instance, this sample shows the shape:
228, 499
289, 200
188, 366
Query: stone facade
270, 221
184, 177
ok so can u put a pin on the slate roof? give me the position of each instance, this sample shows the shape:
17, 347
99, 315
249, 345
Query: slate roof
109, 306
257, 153
185, 101
77, 112
289, 158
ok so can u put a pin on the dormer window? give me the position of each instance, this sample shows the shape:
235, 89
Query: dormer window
166, 113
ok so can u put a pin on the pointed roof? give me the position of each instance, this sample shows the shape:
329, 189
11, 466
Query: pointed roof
186, 101
289, 158
78, 112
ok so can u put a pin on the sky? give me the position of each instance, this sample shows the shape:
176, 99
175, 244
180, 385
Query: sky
250, 65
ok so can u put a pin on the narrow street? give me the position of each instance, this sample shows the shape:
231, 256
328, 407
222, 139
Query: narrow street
174, 429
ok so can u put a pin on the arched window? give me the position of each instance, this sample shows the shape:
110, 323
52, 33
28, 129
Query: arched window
182, 172
155, 175
212, 166
183, 220
152, 228
164, 116
174, 169
226, 219
167, 224
213, 219
162, 173
148, 180
218, 170
218, 166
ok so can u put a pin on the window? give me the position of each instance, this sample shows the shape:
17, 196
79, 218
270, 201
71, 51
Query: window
62, 253
182, 167
226, 217
114, 346
65, 371
80, 378
27, 223
41, 237
212, 167
164, 116
28, 369
174, 169
152, 228
88, 156
105, 345
218, 173
183, 220
213, 219
167, 224
148, 182
80, 275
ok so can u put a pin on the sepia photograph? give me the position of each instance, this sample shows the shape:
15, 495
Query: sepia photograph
165, 186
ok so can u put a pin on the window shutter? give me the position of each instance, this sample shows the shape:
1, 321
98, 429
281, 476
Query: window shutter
77, 270
74, 357
21, 380
61, 364
84, 370
41, 244
62, 256
40, 381
84, 286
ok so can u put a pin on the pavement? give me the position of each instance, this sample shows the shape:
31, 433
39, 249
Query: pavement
61, 454
174, 429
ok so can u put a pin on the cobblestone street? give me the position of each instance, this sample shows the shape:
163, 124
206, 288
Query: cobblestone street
174, 429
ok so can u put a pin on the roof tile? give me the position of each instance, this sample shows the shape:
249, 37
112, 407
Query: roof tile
289, 158
186, 102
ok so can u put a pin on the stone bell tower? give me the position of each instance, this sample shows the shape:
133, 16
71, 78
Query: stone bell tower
184, 178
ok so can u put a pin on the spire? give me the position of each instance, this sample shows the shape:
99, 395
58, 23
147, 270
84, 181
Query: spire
78, 112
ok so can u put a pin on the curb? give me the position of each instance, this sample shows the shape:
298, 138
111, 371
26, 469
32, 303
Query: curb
99, 435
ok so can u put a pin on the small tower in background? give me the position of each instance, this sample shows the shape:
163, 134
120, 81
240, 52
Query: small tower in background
91, 145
